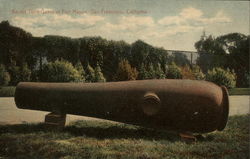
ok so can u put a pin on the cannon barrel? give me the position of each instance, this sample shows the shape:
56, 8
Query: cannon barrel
181, 105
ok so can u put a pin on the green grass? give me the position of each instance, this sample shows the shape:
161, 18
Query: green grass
103, 139
239, 91
7, 91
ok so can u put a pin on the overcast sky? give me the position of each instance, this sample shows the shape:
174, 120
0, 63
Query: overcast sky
171, 24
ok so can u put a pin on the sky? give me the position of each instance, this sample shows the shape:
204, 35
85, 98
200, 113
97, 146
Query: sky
171, 24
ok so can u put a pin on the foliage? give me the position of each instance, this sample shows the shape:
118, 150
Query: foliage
98, 75
209, 61
4, 76
173, 71
18, 47
7, 91
226, 51
159, 74
125, 72
142, 53
60, 47
197, 72
246, 79
90, 74
113, 53
104, 139
180, 59
19, 74
238, 58
143, 73
221, 77
187, 72
151, 72
60, 71
80, 69
14, 45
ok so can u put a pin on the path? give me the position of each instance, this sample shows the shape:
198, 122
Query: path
10, 114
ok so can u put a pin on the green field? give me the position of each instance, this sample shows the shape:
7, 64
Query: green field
239, 91
103, 139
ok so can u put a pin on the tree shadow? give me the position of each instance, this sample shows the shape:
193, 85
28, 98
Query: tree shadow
100, 131
114, 132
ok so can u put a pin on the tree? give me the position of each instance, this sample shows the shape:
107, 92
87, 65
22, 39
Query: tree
226, 51
151, 72
61, 48
90, 74
4, 76
99, 75
211, 53
246, 81
80, 69
180, 59
92, 50
236, 46
221, 77
15, 44
140, 53
173, 72
125, 72
19, 74
112, 55
159, 74
60, 71
143, 73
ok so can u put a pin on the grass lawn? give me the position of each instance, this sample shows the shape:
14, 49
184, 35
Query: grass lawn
8, 91
239, 91
103, 139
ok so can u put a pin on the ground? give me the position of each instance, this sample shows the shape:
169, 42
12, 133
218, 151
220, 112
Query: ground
93, 138
104, 139
11, 114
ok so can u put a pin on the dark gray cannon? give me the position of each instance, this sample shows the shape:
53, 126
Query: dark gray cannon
181, 105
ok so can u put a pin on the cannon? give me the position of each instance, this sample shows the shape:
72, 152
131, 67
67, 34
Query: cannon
169, 104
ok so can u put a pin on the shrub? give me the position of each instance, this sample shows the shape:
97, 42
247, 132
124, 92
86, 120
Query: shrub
125, 72
99, 75
143, 73
90, 74
60, 71
246, 79
7, 91
19, 74
151, 72
25, 73
221, 77
159, 74
187, 73
197, 72
4, 76
80, 69
173, 71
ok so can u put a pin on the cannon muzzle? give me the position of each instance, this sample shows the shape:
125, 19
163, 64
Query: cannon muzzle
181, 105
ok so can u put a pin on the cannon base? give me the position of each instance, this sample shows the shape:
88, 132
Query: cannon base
55, 120
187, 137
